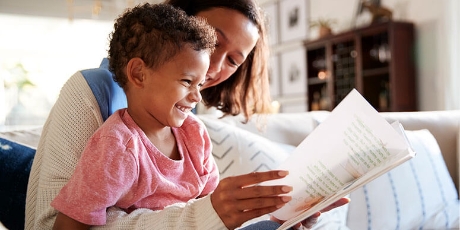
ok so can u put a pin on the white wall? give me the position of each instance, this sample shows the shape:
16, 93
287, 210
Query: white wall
452, 93
437, 25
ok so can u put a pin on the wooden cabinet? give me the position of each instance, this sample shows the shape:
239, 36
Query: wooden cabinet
377, 60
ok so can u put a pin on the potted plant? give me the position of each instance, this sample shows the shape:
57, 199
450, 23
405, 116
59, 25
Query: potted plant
324, 25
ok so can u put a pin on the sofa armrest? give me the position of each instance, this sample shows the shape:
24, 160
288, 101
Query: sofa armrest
444, 125
29, 136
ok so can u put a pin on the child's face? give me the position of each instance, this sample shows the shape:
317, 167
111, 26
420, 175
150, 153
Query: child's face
173, 90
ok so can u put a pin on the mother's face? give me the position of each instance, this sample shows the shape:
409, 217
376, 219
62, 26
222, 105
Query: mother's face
236, 37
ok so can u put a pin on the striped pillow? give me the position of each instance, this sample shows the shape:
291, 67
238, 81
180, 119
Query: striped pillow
238, 151
419, 194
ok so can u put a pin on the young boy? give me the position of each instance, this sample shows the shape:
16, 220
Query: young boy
153, 153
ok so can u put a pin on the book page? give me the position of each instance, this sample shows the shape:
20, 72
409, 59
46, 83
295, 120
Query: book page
352, 146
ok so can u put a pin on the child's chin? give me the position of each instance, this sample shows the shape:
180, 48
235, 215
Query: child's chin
178, 123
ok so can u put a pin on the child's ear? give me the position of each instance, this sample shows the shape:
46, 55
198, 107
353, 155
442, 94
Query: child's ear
135, 71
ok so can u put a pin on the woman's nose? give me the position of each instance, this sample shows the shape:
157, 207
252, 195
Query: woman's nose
215, 65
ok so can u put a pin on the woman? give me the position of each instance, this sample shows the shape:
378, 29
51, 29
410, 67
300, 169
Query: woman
238, 75
237, 83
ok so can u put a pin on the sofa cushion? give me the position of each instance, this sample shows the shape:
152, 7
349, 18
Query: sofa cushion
288, 128
15, 164
419, 194
238, 151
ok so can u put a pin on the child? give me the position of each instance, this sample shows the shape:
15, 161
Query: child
153, 153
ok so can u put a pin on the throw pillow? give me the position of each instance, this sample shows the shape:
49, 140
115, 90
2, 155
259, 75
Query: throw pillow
15, 163
419, 194
238, 151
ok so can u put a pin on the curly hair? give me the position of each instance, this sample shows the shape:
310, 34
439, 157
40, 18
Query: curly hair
247, 90
155, 33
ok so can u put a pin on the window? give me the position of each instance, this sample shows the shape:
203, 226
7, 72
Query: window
37, 56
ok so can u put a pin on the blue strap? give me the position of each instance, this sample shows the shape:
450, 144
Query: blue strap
109, 95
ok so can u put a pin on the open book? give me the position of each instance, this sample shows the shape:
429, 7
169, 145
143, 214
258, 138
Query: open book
353, 146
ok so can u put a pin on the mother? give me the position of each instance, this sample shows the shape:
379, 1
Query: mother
237, 83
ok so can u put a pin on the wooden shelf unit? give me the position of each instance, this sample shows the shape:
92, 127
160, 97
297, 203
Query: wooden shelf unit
377, 60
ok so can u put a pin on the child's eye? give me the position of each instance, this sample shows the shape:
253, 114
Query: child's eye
187, 82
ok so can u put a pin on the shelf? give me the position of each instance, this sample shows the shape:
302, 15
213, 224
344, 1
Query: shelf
377, 60
316, 81
376, 72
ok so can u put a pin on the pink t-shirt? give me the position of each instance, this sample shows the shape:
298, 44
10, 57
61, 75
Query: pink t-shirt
121, 167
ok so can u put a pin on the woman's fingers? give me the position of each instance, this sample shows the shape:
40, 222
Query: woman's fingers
262, 202
244, 186
235, 213
238, 199
253, 178
261, 191
311, 221
342, 201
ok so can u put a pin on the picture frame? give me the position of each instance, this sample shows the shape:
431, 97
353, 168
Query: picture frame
293, 21
294, 72
272, 20
274, 76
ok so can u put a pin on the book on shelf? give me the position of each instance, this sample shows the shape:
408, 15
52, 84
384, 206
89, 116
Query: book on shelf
350, 148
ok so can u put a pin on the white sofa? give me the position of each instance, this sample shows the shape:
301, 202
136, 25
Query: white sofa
420, 194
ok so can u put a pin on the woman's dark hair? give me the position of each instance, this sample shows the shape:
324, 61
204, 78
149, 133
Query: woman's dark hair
247, 90
155, 33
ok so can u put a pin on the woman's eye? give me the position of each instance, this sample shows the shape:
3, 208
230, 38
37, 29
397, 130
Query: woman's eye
233, 62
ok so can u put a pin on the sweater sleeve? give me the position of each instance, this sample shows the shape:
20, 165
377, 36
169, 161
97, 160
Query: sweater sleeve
73, 119
195, 214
